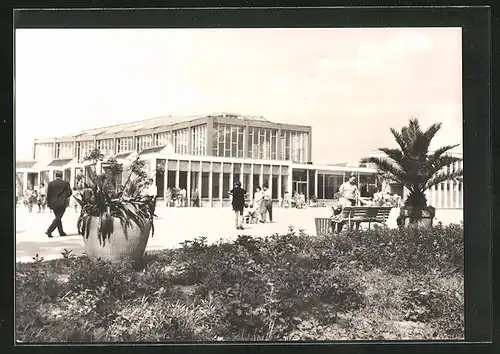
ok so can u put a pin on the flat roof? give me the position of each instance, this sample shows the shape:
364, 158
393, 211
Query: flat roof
153, 123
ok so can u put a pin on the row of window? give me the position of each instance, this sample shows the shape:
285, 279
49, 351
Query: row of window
228, 141
262, 143
225, 187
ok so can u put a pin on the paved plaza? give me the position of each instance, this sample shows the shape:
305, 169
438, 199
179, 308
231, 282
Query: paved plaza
172, 226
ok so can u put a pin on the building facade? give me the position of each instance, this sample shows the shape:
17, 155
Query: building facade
208, 152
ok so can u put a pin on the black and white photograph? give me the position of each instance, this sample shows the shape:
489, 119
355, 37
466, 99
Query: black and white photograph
238, 184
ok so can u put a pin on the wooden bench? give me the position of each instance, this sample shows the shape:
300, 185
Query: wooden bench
369, 214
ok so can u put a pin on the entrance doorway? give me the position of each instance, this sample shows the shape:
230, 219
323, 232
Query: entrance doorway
300, 187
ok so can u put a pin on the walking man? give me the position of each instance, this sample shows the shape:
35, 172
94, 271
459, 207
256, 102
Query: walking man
268, 204
238, 202
58, 193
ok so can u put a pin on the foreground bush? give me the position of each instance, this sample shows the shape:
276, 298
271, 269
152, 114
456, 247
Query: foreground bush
358, 285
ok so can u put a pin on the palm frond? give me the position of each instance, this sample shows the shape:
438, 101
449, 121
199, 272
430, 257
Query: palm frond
433, 166
394, 172
431, 132
444, 176
438, 153
398, 136
394, 154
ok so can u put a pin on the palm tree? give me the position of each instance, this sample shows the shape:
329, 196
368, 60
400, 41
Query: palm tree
415, 167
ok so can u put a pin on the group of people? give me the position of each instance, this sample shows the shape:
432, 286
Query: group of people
257, 211
176, 197
36, 197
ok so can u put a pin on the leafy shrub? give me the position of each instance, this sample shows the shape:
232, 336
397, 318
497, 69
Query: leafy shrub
377, 284
400, 250
438, 301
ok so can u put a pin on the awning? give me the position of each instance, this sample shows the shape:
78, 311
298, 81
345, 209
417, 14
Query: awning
153, 150
25, 164
123, 155
59, 162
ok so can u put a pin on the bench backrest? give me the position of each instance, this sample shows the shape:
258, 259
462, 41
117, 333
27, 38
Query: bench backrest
366, 213
323, 226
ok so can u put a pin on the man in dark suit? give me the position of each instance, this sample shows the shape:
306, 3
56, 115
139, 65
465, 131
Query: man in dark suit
58, 192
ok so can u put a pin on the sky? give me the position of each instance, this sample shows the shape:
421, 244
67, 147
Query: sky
350, 85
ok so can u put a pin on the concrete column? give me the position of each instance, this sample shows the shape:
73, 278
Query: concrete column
242, 175
177, 174
316, 183
200, 172
231, 176
307, 185
280, 195
210, 184
250, 186
188, 188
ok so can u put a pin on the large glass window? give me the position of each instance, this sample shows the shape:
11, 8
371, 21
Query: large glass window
234, 141
205, 184
256, 182
106, 146
44, 151
241, 141
199, 140
321, 183
181, 141
215, 185
228, 140
144, 142
124, 144
275, 187
262, 143
87, 147
294, 146
171, 174
162, 139
246, 182
225, 185
331, 185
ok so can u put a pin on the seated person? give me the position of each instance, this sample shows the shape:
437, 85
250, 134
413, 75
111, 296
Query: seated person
313, 201
338, 221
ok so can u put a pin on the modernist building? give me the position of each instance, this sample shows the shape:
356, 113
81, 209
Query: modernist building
207, 152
